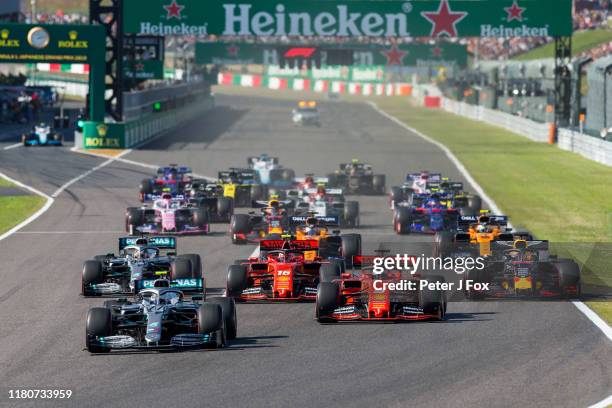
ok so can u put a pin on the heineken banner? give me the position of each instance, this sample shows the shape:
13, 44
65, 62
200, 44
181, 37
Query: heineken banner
413, 55
354, 18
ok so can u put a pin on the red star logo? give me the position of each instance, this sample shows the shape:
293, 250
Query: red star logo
232, 51
444, 20
395, 56
139, 67
436, 52
174, 10
515, 12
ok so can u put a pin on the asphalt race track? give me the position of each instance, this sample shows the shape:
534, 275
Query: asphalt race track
486, 354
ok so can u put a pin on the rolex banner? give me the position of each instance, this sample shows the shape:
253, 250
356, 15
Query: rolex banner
354, 18
411, 55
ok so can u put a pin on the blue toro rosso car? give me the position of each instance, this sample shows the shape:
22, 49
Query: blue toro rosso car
271, 173
425, 213
42, 135
171, 180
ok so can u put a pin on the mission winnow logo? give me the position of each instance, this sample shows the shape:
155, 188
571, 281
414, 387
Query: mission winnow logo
240, 19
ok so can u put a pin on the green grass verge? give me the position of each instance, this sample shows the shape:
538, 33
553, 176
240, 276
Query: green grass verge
603, 309
15, 209
581, 41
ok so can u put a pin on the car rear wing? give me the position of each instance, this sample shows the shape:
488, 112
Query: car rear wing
266, 204
185, 285
294, 244
330, 191
316, 180
253, 160
466, 220
328, 221
161, 242
179, 170
433, 177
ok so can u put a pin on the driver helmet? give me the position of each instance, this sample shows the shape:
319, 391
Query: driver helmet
308, 182
320, 192
424, 175
481, 228
281, 257
167, 199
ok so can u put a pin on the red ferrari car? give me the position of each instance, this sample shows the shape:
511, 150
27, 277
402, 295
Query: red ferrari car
282, 272
365, 296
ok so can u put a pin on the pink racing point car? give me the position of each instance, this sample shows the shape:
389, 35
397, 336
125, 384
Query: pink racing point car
167, 215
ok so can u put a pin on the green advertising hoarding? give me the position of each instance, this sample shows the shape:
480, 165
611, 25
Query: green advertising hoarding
63, 44
98, 135
354, 18
144, 69
412, 55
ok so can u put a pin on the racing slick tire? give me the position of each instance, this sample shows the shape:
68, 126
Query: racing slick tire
378, 184
225, 208
396, 195
145, 188
433, 301
569, 276
237, 280
332, 180
239, 224
200, 217
230, 320
350, 246
92, 274
98, 324
351, 214
256, 192
24, 140
474, 204
133, 218
188, 266
327, 300
210, 320
58, 138
443, 244
402, 220
329, 272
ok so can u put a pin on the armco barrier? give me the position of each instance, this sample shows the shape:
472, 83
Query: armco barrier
587, 146
535, 131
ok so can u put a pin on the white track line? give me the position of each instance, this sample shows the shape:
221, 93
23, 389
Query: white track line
603, 404
50, 199
592, 316
32, 217
133, 162
14, 146
87, 173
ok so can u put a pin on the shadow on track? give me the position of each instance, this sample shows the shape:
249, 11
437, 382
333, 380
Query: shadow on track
217, 121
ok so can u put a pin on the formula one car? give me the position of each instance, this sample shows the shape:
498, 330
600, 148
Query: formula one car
425, 214
241, 185
326, 202
167, 216
523, 269
475, 234
365, 296
42, 135
280, 273
210, 196
332, 244
451, 193
271, 173
252, 227
160, 318
357, 178
306, 114
169, 180
142, 260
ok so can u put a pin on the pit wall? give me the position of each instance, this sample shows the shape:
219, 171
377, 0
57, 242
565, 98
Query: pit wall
137, 132
316, 85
